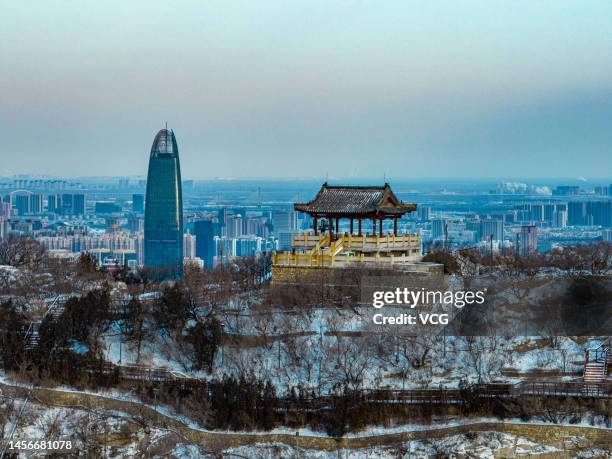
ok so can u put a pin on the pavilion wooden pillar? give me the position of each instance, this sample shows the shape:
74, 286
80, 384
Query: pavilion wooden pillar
337, 226
395, 226
315, 222
330, 223
359, 226
380, 230
351, 226
373, 226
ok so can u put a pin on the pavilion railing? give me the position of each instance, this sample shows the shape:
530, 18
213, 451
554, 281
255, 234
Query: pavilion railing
344, 260
308, 241
408, 243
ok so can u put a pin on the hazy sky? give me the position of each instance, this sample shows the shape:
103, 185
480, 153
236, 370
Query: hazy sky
308, 88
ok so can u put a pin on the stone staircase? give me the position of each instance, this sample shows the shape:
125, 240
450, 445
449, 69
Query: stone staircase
32, 340
597, 361
335, 247
595, 372
54, 311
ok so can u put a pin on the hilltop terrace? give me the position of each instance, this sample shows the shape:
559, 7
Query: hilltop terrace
366, 207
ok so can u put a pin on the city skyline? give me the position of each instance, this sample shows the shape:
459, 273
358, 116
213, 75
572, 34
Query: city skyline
388, 232
352, 89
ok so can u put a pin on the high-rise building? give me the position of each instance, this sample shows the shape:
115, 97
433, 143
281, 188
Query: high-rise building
234, 226
566, 190
549, 210
491, 229
78, 204
138, 203
248, 246
601, 190
285, 240
36, 203
559, 219
54, 203
67, 206
20, 201
4, 228
106, 207
73, 204
140, 248
26, 202
256, 226
439, 228
523, 215
189, 246
224, 250
222, 216
163, 232
112, 224
600, 213
529, 239
135, 224
424, 213
576, 213
590, 213
284, 221
205, 232
537, 212
472, 224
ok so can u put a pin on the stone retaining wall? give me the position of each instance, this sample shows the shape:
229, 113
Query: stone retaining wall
548, 434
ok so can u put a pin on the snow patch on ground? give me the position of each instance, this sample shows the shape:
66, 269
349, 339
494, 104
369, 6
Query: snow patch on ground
480, 445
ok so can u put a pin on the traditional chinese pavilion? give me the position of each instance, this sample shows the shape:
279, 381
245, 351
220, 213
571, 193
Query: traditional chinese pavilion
365, 244
356, 203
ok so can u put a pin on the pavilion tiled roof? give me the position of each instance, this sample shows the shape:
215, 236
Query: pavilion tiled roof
355, 200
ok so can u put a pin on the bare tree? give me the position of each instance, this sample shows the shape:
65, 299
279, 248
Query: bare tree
348, 361
483, 356
22, 252
8, 411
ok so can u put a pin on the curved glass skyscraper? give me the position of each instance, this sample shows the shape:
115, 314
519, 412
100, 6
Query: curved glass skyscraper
163, 232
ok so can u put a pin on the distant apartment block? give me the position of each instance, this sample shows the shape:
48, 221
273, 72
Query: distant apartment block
284, 221
439, 229
26, 202
106, 207
138, 203
71, 204
565, 190
528, 239
424, 213
589, 213
205, 232
491, 230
